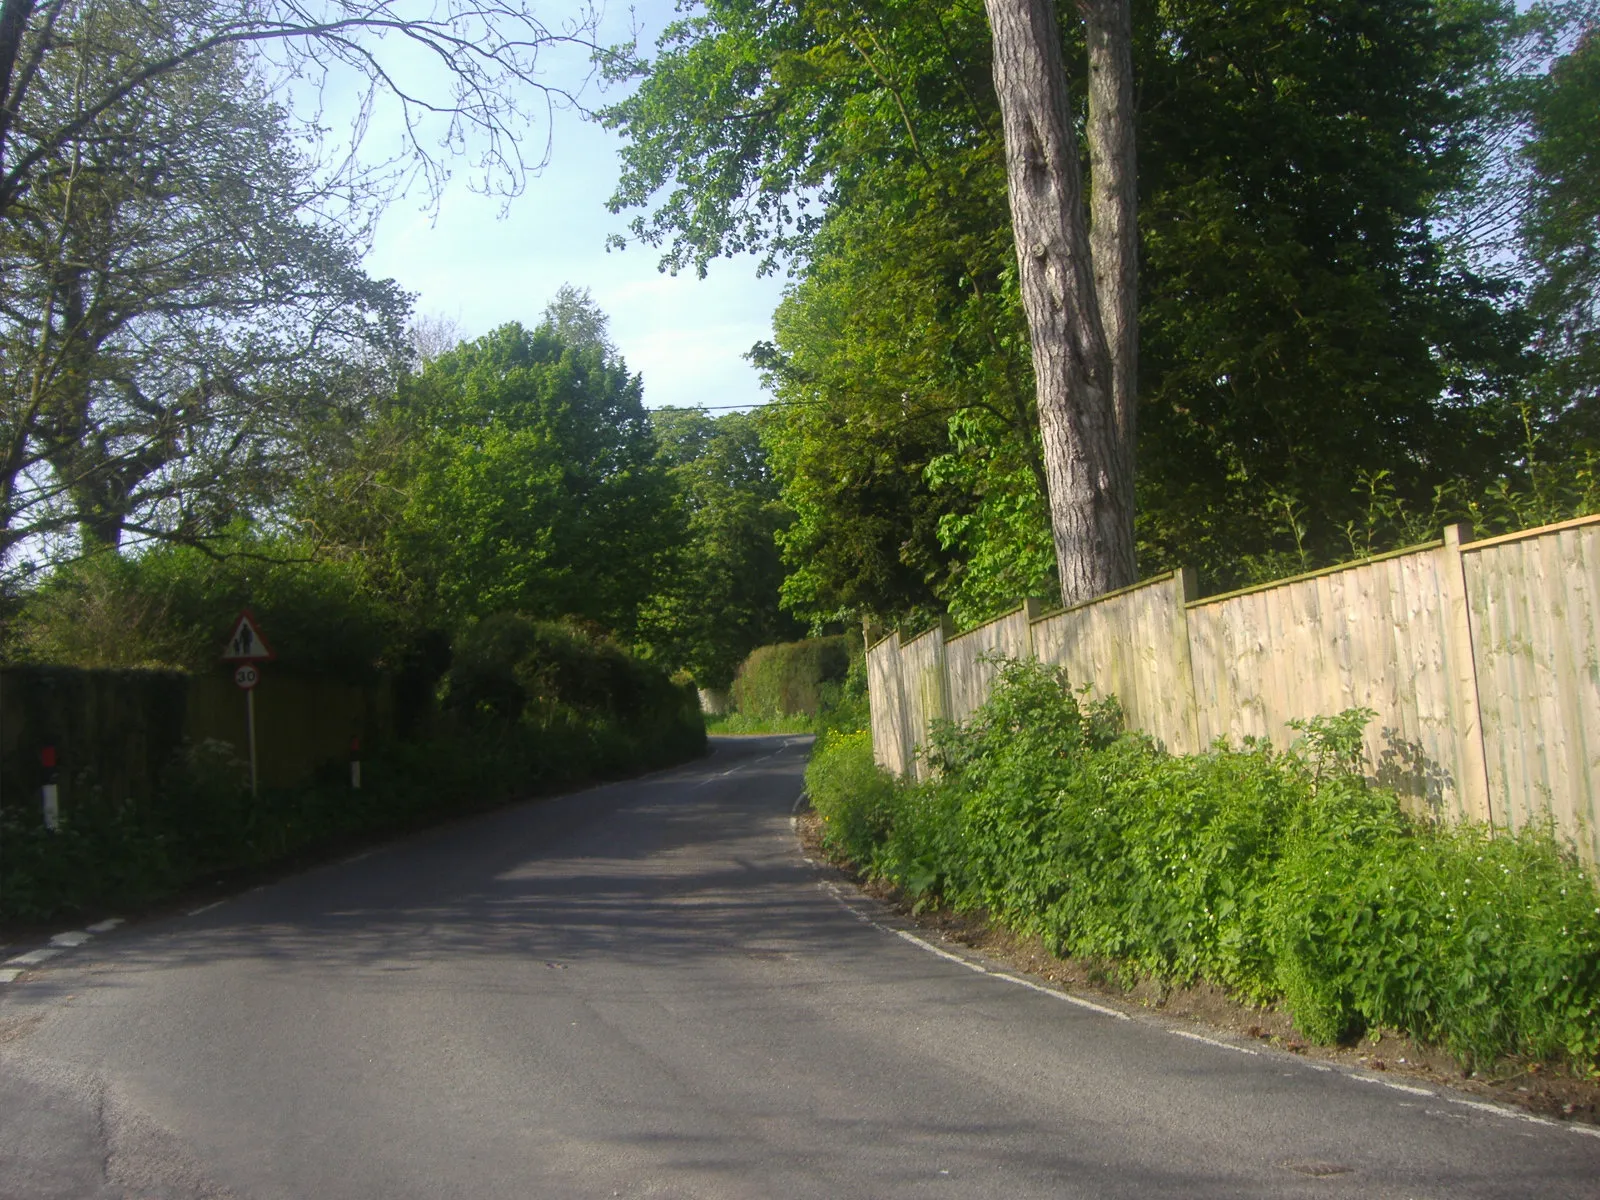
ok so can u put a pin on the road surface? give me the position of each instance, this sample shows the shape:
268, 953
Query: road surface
644, 990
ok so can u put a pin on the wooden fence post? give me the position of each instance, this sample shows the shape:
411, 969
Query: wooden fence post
1466, 715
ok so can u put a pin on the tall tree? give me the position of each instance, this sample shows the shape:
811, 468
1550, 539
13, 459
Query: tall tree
1561, 230
175, 320
484, 89
1300, 321
721, 599
1067, 290
517, 472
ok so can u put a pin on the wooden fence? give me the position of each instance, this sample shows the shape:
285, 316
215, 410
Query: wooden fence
1481, 659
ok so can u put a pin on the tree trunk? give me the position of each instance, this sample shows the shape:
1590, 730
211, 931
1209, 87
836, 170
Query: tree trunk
1114, 202
1087, 466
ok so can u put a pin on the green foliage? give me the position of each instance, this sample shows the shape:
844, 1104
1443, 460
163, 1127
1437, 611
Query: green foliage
174, 606
515, 473
856, 800
738, 722
720, 600
789, 678
566, 709
509, 670
1301, 322
1274, 875
1562, 229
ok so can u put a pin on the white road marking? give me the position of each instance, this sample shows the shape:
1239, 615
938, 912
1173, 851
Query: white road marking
76, 937
9, 974
944, 954
968, 963
1200, 1037
105, 926
1406, 1087
1500, 1111
195, 912
1067, 997
33, 957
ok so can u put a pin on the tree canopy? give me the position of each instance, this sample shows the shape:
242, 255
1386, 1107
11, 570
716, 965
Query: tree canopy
1303, 322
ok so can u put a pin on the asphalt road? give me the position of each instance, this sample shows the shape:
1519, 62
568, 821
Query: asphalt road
643, 990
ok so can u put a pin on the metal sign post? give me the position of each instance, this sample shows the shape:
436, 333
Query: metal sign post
247, 647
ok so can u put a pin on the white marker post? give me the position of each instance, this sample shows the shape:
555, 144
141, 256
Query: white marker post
49, 797
247, 647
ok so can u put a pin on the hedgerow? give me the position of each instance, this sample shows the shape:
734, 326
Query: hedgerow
1280, 876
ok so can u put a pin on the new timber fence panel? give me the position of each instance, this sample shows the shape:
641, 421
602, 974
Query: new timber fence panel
891, 745
1481, 659
1535, 605
925, 691
970, 657
1371, 635
1132, 644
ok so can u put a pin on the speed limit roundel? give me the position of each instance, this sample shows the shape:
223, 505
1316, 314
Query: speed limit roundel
246, 676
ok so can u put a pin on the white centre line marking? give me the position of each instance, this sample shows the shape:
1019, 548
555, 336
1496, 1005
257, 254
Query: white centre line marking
195, 912
76, 937
105, 926
9, 974
1198, 1037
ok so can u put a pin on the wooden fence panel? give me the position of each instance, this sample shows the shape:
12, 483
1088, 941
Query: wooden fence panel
1374, 635
1133, 645
1481, 659
970, 658
1535, 603
923, 686
886, 696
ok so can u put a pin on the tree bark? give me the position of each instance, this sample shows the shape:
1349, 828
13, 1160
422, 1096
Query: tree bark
1114, 201
1087, 466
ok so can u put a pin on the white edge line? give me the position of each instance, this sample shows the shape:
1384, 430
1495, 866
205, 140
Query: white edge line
1198, 1037
1406, 1087
979, 968
195, 912
945, 954
1057, 994
34, 957
1499, 1111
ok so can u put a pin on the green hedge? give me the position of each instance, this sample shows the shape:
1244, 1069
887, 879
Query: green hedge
791, 678
531, 708
1278, 876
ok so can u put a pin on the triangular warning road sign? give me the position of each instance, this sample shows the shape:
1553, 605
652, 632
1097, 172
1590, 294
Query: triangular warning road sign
245, 643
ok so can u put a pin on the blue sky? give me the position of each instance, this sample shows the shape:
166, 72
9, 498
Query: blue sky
466, 262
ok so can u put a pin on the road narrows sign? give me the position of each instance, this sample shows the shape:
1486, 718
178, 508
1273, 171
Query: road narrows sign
245, 643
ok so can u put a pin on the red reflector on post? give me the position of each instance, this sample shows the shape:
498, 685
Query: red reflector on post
47, 756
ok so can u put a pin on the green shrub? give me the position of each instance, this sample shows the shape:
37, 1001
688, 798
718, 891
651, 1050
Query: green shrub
510, 669
535, 708
789, 678
174, 606
1275, 875
855, 798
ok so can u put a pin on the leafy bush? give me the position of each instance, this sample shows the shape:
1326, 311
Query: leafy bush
509, 669
789, 678
174, 606
536, 707
1275, 875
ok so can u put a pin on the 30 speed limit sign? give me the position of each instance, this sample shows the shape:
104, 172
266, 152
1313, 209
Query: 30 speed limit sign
247, 676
